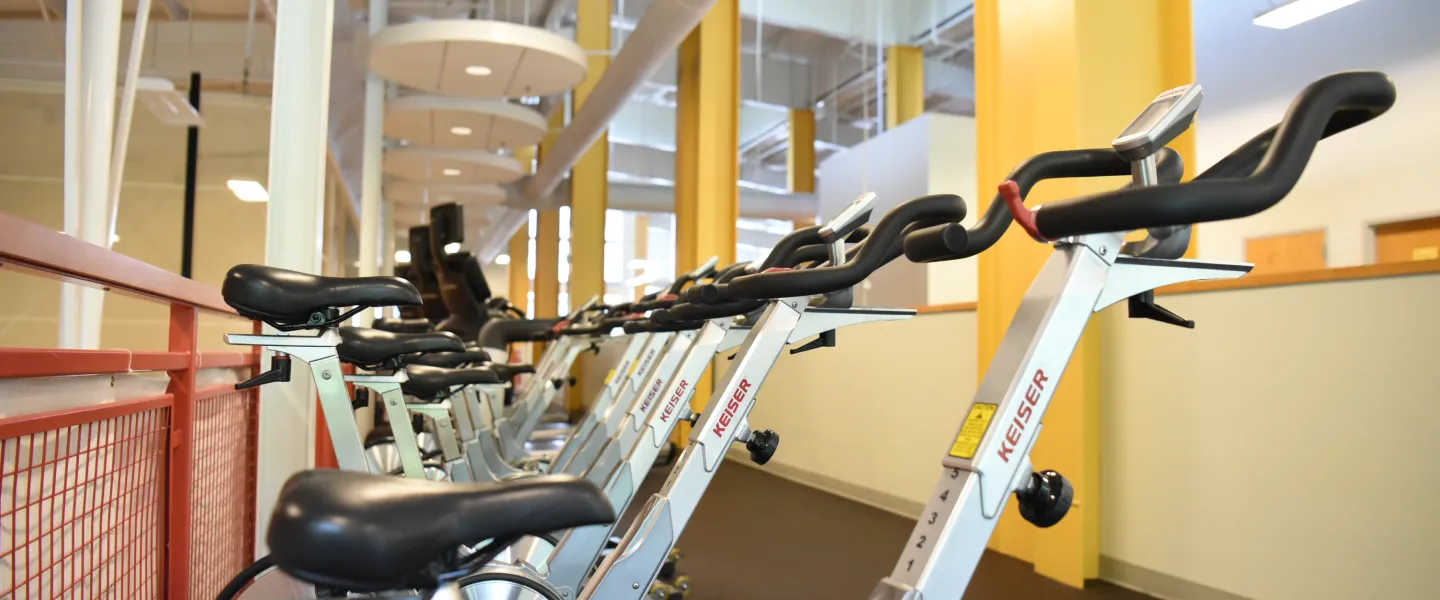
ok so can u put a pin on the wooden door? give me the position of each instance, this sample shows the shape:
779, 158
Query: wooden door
1287, 253
1408, 241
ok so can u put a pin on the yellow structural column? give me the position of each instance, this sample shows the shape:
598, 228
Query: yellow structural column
904, 84
588, 183
547, 239
800, 155
1049, 76
519, 249
707, 146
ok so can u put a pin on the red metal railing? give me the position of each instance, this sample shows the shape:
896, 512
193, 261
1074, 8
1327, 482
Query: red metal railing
139, 498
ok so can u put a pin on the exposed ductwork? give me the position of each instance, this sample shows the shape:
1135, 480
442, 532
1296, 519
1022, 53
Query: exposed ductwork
658, 34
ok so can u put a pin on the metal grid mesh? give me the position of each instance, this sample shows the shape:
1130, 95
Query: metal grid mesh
82, 509
222, 513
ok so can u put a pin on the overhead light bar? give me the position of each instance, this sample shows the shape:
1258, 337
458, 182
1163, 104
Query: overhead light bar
169, 106
248, 190
1294, 13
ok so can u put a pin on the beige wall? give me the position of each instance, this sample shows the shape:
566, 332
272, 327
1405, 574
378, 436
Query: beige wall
1282, 449
234, 143
871, 417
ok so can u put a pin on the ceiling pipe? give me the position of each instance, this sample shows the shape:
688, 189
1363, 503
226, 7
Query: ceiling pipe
659, 33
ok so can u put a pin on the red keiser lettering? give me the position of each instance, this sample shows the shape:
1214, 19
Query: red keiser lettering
1021, 420
729, 413
674, 401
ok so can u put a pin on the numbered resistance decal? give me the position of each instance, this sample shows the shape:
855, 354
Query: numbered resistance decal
976, 423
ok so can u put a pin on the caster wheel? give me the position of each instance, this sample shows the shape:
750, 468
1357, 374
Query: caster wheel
672, 564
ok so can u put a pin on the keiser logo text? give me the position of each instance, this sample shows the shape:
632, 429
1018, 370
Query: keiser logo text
674, 401
730, 408
650, 396
1022, 416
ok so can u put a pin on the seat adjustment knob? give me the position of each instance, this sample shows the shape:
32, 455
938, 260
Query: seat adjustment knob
762, 445
1047, 498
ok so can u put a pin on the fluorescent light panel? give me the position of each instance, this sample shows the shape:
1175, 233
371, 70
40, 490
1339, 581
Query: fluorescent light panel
248, 190
1299, 11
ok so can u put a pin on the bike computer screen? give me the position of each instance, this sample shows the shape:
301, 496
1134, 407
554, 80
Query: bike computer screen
1169, 115
850, 217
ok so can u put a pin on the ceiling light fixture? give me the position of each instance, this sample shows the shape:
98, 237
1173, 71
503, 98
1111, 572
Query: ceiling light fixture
452, 247
460, 130
503, 259
248, 190
1294, 13
478, 70
402, 256
451, 172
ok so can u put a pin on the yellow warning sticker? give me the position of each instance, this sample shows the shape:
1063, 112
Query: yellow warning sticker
610, 377
973, 430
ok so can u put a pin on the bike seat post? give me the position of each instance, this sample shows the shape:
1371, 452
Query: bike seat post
439, 414
388, 386
319, 351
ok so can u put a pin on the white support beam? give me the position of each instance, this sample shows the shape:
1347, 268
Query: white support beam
373, 156
299, 115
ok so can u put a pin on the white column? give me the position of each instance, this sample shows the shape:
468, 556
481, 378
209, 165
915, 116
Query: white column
74, 135
299, 110
374, 154
100, 56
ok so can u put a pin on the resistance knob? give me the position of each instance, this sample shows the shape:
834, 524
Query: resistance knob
762, 446
1046, 500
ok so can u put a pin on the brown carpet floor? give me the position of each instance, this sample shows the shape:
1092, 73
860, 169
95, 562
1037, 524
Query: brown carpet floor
756, 536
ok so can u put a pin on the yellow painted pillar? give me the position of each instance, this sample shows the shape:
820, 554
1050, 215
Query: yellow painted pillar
547, 240
1049, 76
588, 185
800, 155
707, 147
642, 250
904, 84
519, 248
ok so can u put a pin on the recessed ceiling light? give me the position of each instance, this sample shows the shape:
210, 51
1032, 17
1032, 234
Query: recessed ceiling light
1296, 12
503, 259
451, 172
478, 70
444, 198
248, 190
402, 256
452, 247
460, 130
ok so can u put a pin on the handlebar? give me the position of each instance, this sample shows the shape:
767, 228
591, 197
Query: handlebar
882, 246
1254, 177
952, 241
699, 273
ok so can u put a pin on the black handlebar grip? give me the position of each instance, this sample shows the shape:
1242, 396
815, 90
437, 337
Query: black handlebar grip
883, 245
803, 236
1232, 189
940, 242
703, 312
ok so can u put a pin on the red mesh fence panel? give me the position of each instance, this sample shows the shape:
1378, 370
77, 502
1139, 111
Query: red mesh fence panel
222, 514
82, 502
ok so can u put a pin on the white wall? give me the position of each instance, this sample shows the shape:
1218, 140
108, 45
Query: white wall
953, 160
1378, 173
1282, 449
931, 154
872, 417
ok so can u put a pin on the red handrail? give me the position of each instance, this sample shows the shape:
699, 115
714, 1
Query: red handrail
41, 248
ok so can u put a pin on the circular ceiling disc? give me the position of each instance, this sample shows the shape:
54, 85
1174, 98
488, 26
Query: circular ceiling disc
422, 194
442, 166
463, 123
477, 59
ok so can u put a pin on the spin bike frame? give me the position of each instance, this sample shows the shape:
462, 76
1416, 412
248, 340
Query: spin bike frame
641, 435
628, 571
991, 454
622, 386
